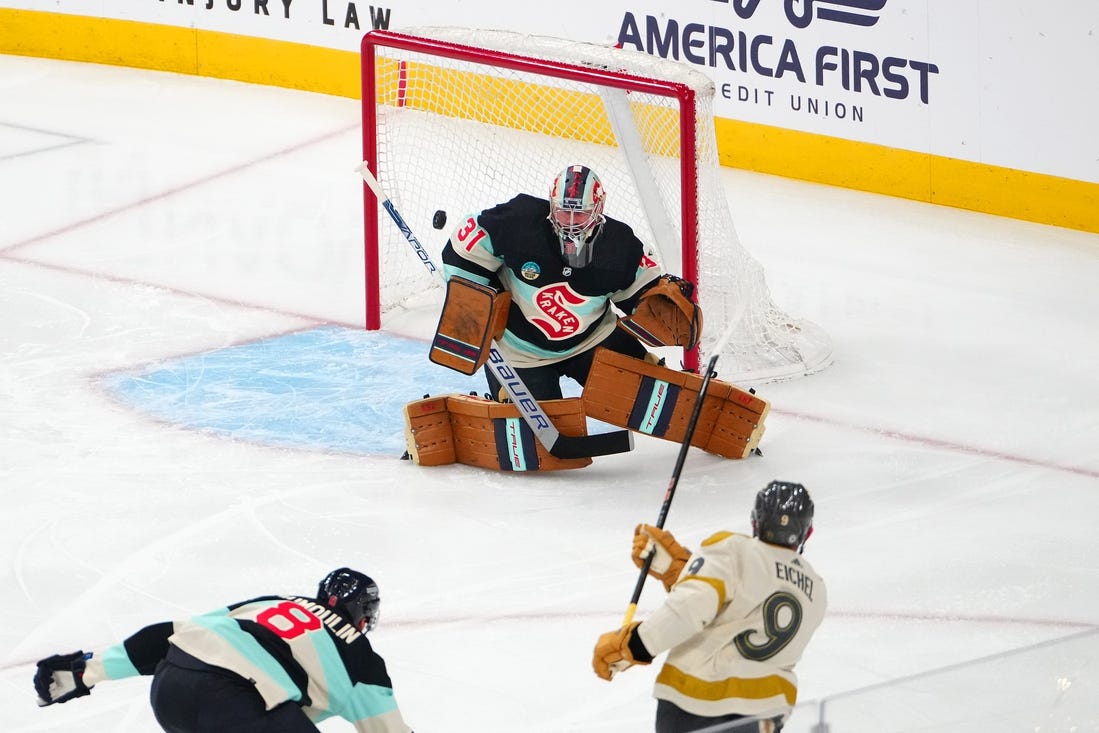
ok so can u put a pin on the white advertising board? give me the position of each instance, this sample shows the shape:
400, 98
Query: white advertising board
1009, 83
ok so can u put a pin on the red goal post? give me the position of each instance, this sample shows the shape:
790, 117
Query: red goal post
461, 119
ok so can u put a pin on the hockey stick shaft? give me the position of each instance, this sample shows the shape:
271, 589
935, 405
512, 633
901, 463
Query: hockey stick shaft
559, 446
669, 494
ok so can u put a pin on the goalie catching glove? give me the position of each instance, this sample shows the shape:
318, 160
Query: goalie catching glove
60, 678
670, 556
666, 315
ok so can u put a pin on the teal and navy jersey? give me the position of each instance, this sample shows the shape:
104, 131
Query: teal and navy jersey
556, 311
290, 648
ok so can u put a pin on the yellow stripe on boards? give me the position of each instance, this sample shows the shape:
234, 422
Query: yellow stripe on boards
906, 174
98, 40
822, 159
1036, 197
180, 50
746, 688
279, 63
496, 101
519, 105
1018, 194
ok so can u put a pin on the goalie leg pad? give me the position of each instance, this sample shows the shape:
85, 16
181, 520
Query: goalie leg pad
429, 437
478, 432
657, 401
472, 316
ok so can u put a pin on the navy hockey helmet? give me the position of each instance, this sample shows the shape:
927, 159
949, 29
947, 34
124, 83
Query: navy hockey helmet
576, 212
353, 595
783, 514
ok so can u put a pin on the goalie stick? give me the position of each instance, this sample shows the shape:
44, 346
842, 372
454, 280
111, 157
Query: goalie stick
558, 445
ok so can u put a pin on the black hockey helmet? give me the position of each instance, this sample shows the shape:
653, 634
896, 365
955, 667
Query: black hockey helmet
353, 595
783, 514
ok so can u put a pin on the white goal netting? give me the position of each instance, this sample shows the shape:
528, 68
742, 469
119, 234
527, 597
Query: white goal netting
459, 120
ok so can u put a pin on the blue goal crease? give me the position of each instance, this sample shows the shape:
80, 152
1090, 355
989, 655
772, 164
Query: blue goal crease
328, 389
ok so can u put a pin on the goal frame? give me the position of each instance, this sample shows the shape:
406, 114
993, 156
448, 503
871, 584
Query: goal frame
682, 93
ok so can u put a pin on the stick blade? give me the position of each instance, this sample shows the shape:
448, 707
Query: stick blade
589, 446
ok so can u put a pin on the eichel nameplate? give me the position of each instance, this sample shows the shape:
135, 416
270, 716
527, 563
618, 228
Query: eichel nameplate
658, 401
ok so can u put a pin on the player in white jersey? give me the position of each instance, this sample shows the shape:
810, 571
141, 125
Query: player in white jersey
738, 616
273, 664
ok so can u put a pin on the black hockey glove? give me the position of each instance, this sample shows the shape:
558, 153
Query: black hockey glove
60, 678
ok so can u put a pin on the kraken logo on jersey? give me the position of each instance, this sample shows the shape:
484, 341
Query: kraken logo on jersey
557, 302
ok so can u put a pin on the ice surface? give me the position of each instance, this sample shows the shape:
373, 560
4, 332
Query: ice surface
180, 284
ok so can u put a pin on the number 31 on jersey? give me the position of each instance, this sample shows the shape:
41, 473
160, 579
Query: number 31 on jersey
469, 234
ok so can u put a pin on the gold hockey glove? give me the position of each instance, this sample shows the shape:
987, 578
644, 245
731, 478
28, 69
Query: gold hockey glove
618, 650
670, 555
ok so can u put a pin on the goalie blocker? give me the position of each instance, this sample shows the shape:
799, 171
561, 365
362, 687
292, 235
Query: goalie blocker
473, 316
479, 432
658, 401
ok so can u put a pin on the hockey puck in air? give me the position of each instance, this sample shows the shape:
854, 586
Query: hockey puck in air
439, 219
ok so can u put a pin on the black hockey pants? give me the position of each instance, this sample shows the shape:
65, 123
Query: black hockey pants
673, 719
544, 382
190, 696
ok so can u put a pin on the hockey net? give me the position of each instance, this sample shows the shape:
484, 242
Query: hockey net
457, 120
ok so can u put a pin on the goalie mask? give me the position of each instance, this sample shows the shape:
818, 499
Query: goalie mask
576, 212
353, 595
783, 515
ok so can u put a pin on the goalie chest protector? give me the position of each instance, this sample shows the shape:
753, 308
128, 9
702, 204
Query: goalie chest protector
658, 401
478, 432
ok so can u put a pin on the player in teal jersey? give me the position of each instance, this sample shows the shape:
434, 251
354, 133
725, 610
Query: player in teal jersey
273, 664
